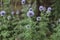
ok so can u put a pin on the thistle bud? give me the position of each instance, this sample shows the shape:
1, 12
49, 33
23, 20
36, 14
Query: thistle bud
38, 18
2, 13
30, 13
42, 8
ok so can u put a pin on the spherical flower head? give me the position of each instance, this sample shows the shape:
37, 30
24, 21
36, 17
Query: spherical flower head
38, 18
30, 9
9, 17
30, 13
23, 2
2, 13
42, 8
49, 9
27, 26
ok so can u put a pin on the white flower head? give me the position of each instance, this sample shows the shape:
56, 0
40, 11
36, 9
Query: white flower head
30, 9
38, 18
17, 12
9, 17
2, 13
49, 9
42, 8
30, 13
23, 2
27, 26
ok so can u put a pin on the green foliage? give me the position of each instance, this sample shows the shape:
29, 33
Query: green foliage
17, 28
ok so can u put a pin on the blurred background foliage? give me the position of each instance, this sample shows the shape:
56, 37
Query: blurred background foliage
20, 27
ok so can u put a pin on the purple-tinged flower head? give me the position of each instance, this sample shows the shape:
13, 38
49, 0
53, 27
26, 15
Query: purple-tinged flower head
2, 13
23, 2
30, 13
42, 8
38, 18
49, 9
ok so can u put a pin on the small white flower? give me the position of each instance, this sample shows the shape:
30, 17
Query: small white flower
27, 26
49, 9
12, 12
2, 13
38, 18
30, 9
23, 2
42, 8
30, 13
17, 12
9, 17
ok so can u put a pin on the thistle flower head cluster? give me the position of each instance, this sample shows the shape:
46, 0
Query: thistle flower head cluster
42, 8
